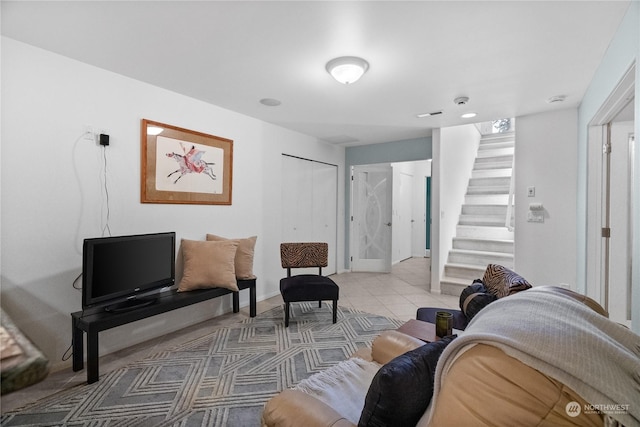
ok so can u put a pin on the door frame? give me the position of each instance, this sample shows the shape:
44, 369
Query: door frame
598, 136
428, 215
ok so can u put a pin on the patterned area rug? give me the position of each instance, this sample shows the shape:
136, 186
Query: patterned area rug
221, 379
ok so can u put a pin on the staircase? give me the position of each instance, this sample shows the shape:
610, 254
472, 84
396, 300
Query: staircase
481, 236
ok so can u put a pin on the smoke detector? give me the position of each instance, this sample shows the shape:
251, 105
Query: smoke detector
461, 100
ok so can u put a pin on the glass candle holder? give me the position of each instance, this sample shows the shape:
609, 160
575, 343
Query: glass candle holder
444, 324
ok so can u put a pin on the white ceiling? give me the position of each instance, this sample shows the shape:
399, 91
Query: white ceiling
508, 57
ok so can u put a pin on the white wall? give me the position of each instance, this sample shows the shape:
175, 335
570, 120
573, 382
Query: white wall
454, 152
51, 188
546, 148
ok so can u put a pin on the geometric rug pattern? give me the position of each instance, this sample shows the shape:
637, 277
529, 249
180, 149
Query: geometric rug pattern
221, 379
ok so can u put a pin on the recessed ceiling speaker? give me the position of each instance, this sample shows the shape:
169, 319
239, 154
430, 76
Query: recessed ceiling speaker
461, 100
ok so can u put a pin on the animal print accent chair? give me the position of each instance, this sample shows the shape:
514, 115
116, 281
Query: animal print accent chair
306, 287
302, 255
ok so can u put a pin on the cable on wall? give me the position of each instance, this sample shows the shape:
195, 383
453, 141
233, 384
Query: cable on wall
106, 230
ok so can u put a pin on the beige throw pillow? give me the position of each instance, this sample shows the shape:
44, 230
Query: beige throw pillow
208, 265
244, 255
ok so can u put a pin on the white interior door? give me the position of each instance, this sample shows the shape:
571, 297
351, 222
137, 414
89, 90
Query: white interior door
325, 210
371, 198
297, 199
310, 205
402, 217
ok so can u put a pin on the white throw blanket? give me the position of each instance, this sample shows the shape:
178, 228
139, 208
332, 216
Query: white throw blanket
564, 339
343, 387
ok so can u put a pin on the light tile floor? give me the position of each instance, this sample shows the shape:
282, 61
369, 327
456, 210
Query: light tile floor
398, 295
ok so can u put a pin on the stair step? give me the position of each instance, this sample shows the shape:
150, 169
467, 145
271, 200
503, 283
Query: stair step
483, 232
454, 286
480, 258
490, 181
464, 272
496, 137
490, 145
484, 210
488, 156
497, 164
491, 245
491, 173
486, 220
488, 189
487, 199
495, 152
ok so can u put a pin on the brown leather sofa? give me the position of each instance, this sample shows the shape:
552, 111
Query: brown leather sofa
483, 386
295, 408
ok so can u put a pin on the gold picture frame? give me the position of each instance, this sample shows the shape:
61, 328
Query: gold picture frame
184, 166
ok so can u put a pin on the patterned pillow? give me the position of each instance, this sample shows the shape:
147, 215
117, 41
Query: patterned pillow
502, 282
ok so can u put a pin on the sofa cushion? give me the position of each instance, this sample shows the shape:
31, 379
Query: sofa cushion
484, 384
502, 282
401, 390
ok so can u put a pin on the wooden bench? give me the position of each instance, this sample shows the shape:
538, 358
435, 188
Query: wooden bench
94, 322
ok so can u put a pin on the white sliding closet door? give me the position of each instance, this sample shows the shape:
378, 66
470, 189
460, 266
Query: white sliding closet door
310, 204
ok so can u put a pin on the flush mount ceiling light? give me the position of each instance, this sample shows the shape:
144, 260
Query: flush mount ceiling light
468, 115
347, 69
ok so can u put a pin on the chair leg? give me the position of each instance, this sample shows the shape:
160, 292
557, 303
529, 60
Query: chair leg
335, 310
320, 304
286, 314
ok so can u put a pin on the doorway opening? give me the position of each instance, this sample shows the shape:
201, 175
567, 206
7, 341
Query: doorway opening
610, 222
389, 222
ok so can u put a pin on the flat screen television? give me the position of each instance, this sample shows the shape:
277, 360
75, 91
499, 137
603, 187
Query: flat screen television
119, 272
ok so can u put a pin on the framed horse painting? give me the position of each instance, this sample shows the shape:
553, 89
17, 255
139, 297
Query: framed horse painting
184, 166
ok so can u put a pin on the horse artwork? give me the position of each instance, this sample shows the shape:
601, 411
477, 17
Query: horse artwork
184, 166
191, 162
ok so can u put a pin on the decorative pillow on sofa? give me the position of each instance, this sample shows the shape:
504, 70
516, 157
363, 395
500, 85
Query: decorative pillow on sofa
208, 265
474, 298
501, 281
244, 255
402, 389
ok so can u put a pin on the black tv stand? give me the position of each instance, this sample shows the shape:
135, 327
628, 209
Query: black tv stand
94, 322
130, 304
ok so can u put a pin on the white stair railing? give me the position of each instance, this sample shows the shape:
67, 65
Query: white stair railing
508, 222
